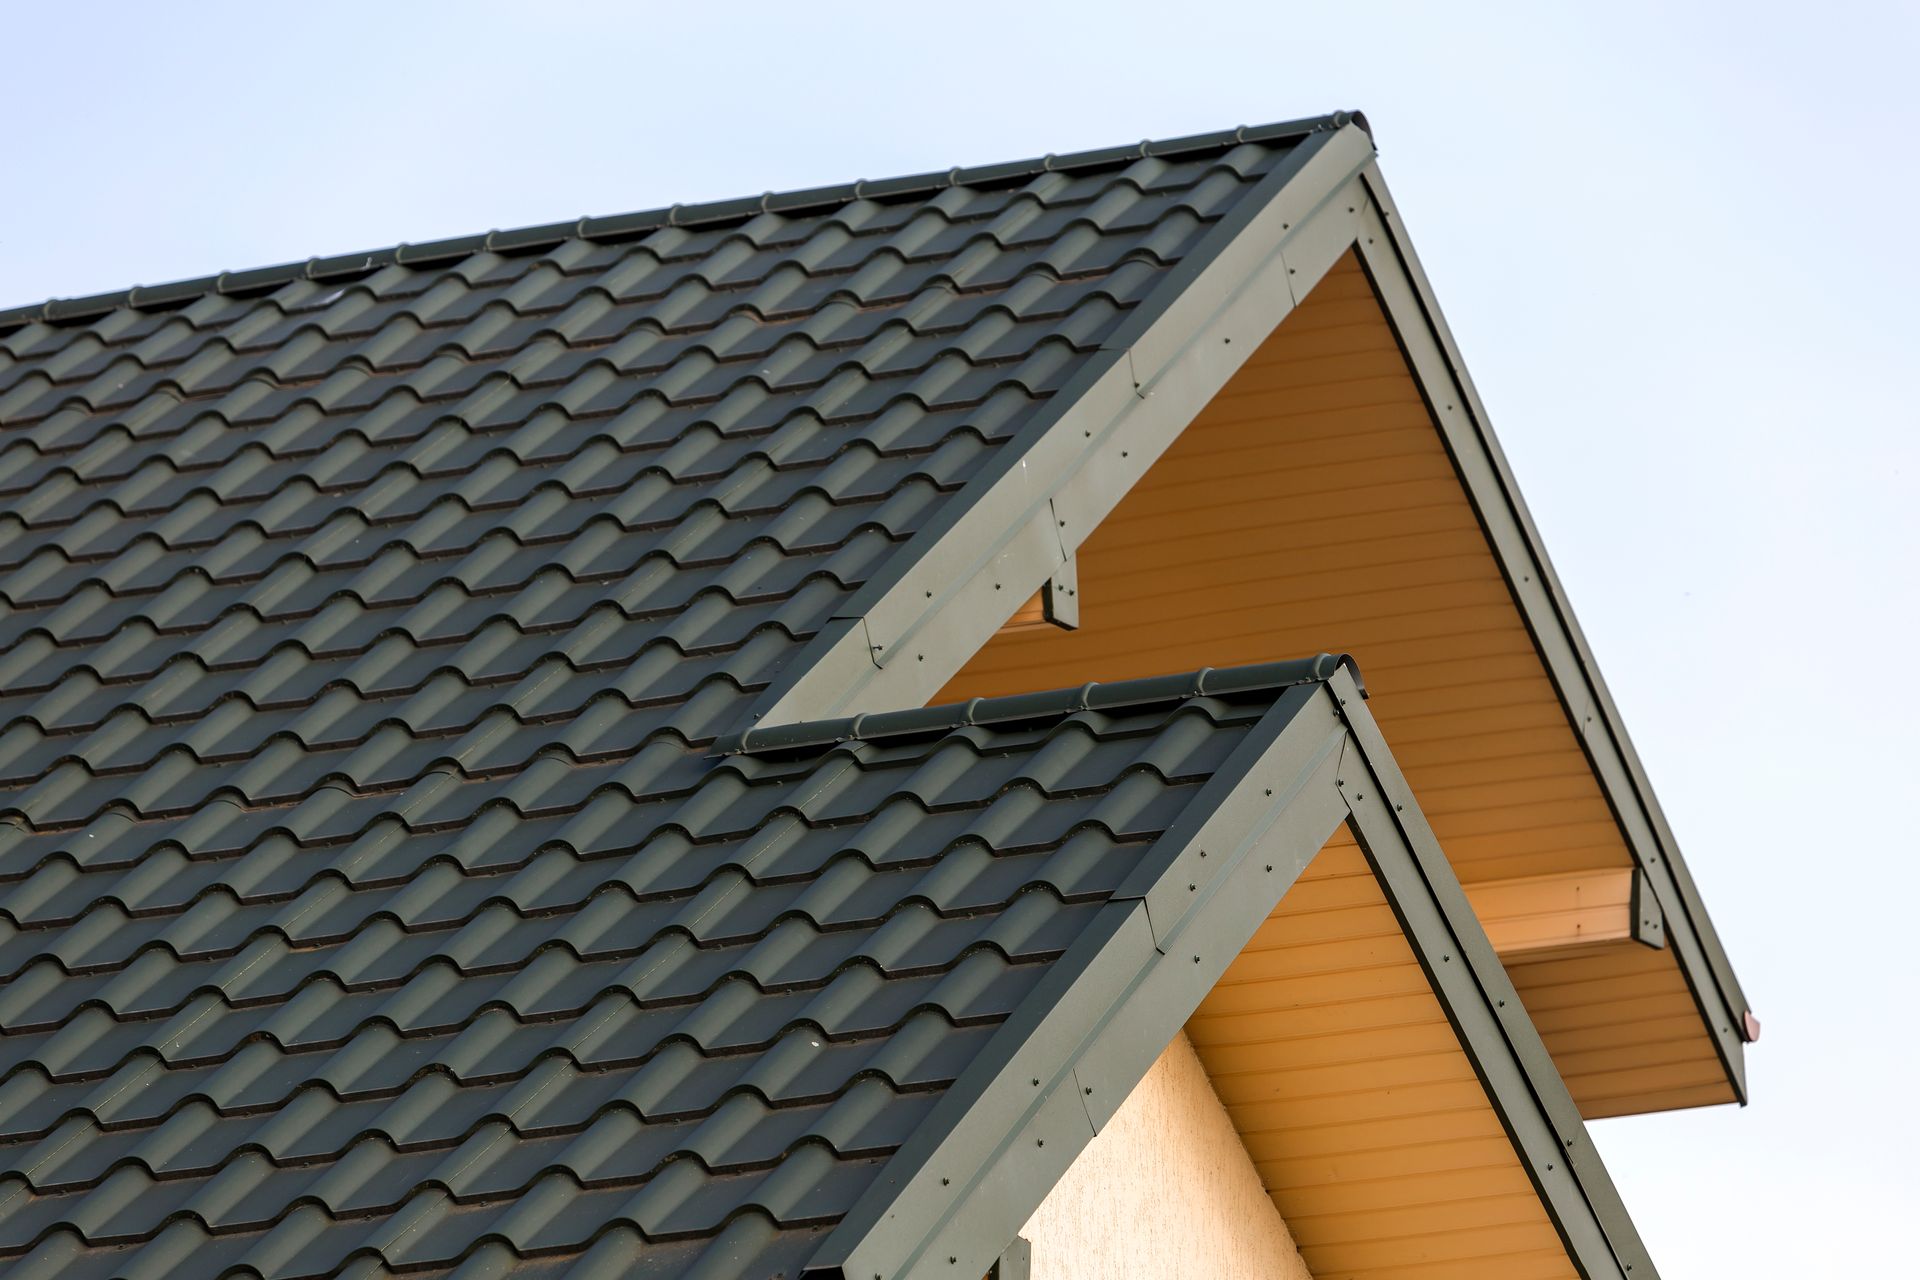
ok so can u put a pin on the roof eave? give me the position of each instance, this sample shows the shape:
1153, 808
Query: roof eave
1440, 372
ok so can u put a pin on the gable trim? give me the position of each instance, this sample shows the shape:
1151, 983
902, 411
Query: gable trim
1058, 1070
1455, 407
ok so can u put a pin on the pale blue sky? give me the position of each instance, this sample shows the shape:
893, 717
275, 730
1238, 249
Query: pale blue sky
1673, 244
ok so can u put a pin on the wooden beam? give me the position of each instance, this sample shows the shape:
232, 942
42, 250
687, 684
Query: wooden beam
1536, 915
1055, 604
1030, 616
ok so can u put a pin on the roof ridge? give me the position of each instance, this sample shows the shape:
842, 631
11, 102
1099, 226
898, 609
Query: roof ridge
1095, 695
623, 226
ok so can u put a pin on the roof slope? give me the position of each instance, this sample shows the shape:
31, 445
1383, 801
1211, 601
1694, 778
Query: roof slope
367, 888
493, 504
699, 1009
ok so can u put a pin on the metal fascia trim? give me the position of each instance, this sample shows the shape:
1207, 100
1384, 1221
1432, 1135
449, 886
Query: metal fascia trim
1414, 313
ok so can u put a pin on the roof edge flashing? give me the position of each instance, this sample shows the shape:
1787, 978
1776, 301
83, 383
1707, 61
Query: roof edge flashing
1401, 283
1207, 682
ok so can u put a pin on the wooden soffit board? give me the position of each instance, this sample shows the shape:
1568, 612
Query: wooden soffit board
1313, 506
1364, 1116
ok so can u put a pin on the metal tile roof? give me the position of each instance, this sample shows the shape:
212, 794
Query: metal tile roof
371, 896
699, 1009
454, 517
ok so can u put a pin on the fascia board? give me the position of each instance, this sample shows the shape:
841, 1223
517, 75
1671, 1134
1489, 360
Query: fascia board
1440, 373
1056, 1072
991, 547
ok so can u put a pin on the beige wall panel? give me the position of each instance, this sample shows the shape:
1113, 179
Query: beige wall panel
1165, 1190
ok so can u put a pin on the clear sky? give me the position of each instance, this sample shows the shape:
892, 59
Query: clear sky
1673, 241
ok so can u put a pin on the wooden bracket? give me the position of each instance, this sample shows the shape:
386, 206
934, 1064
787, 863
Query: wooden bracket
1536, 915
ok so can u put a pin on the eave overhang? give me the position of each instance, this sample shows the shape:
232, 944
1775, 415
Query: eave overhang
1430, 349
903, 636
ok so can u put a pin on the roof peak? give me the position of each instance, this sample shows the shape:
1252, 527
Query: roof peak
622, 226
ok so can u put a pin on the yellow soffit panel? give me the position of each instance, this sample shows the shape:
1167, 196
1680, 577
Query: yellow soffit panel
1312, 507
1363, 1115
